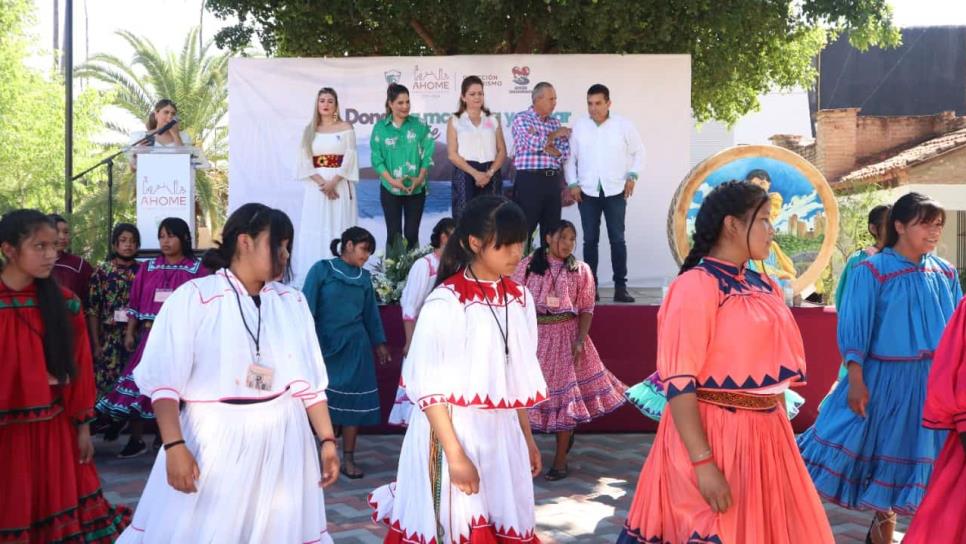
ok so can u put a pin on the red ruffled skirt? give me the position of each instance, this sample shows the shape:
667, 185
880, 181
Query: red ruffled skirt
47, 495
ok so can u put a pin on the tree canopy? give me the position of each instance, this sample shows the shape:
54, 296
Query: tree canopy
739, 48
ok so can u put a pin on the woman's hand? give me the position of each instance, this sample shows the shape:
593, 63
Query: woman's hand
330, 464
713, 487
129, 342
383, 353
85, 446
463, 474
330, 189
858, 395
536, 460
578, 351
482, 179
183, 470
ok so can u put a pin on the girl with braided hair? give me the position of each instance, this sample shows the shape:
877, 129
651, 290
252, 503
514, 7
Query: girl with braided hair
724, 466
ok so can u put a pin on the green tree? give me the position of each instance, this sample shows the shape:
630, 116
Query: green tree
739, 48
32, 131
195, 79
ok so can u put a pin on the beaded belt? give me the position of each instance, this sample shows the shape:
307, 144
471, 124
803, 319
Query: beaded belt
549, 319
327, 161
740, 401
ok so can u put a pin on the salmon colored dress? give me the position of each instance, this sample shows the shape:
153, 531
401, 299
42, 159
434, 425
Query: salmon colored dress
942, 515
724, 330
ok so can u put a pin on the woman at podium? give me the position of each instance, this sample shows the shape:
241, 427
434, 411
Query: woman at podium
328, 170
163, 129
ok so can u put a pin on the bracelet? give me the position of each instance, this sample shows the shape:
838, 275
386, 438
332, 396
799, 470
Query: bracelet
322, 441
702, 456
170, 445
702, 462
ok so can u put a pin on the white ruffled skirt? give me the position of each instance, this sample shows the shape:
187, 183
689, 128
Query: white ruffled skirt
259, 482
503, 510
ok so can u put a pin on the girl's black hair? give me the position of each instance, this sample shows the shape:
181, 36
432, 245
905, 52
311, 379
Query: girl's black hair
392, 93
120, 229
877, 219
356, 235
539, 263
494, 220
178, 228
58, 334
56, 218
909, 209
734, 198
445, 225
253, 219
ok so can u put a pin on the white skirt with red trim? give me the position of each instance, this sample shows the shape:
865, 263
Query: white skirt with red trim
259, 479
417, 509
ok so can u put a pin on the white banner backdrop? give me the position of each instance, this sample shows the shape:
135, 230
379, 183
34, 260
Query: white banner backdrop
271, 101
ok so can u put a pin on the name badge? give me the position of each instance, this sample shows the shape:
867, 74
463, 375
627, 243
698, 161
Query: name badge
553, 302
120, 316
161, 295
259, 377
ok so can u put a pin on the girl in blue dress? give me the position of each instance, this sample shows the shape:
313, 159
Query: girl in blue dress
868, 449
343, 303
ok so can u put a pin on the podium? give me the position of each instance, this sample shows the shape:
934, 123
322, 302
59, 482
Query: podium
165, 187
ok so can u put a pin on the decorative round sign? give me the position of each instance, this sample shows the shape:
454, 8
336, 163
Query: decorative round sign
804, 211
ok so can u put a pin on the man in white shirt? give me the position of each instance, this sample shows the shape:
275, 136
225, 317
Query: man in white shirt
606, 157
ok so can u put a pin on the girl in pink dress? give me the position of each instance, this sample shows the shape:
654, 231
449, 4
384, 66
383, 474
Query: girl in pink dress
579, 388
724, 467
941, 516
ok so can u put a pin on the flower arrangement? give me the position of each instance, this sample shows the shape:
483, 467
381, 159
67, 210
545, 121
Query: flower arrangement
389, 275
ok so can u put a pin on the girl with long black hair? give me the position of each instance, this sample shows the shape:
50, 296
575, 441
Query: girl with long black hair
467, 462
51, 491
724, 466
236, 349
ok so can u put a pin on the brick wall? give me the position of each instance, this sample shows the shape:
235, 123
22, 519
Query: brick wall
835, 138
877, 134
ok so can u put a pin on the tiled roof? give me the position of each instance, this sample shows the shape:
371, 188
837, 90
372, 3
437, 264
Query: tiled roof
906, 158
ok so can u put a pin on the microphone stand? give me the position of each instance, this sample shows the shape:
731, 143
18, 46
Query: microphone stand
109, 162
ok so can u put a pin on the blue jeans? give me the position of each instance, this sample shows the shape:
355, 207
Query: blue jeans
613, 209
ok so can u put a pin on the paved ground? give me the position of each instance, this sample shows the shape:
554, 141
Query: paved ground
589, 506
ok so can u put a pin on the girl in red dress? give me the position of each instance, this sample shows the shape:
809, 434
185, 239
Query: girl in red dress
51, 491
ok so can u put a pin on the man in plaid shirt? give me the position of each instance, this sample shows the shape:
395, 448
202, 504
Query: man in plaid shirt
541, 148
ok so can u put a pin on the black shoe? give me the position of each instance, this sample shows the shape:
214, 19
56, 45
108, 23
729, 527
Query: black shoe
133, 449
112, 432
553, 474
621, 295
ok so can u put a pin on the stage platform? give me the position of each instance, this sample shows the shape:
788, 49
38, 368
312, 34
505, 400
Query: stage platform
626, 338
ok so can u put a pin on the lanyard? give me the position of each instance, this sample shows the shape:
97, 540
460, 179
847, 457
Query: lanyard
504, 334
255, 337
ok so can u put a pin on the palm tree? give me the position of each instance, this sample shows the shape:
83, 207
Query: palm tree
196, 80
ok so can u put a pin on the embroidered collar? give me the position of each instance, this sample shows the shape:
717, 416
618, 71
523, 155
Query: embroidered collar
734, 279
469, 291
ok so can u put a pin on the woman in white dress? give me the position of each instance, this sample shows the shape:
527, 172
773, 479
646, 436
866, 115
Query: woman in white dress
419, 282
328, 167
468, 458
237, 349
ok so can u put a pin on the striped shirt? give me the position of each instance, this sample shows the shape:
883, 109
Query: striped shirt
530, 137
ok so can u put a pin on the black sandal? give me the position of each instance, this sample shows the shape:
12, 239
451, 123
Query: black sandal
350, 475
553, 474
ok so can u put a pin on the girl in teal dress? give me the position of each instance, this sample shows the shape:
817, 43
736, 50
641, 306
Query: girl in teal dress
343, 303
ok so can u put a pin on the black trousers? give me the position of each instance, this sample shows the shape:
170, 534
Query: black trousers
394, 208
538, 193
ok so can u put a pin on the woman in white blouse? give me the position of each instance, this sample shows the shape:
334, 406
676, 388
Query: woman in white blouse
329, 169
474, 140
236, 377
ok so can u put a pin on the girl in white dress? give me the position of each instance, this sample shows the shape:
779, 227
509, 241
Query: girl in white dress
468, 458
419, 282
329, 170
240, 463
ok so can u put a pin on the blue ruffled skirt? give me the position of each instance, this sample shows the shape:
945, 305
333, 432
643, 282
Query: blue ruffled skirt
882, 461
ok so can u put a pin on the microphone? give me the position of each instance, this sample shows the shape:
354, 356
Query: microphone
167, 126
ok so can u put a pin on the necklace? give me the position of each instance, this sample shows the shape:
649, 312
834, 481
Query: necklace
504, 333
